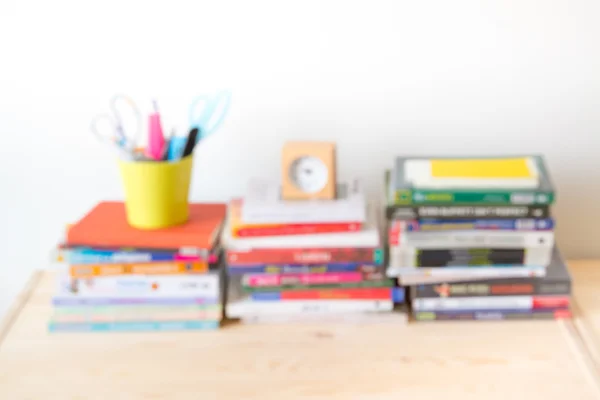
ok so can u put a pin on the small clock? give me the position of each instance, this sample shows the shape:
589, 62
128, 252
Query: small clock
308, 171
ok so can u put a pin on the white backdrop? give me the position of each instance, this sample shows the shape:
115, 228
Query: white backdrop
381, 78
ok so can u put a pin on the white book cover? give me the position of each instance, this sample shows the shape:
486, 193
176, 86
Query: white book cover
369, 236
420, 173
263, 205
475, 303
408, 279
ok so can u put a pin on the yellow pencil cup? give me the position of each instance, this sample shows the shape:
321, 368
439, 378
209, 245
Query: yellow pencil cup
156, 192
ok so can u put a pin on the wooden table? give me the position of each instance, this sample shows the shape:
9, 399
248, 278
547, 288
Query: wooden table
449, 360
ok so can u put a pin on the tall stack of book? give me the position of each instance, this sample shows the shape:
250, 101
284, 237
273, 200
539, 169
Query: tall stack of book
318, 260
123, 279
474, 238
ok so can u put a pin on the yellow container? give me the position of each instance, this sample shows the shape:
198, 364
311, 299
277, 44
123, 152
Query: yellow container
156, 192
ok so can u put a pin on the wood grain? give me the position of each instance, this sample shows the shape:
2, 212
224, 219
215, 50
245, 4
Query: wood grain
453, 360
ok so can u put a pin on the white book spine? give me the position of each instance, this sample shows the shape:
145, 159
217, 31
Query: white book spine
421, 279
141, 286
349, 318
240, 309
474, 303
475, 239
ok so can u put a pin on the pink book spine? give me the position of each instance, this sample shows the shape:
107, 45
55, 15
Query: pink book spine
212, 258
302, 279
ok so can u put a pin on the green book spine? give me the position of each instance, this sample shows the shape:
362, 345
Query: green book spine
364, 284
449, 197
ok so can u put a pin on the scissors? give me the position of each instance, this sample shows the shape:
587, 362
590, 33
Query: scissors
206, 114
202, 113
117, 135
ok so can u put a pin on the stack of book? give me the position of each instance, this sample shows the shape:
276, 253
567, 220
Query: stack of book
119, 278
318, 260
474, 238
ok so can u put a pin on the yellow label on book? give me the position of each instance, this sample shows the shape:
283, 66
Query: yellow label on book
494, 168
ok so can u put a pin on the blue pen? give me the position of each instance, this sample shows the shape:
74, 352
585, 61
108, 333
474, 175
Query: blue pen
176, 146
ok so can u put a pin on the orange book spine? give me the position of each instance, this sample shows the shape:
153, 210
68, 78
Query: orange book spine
173, 268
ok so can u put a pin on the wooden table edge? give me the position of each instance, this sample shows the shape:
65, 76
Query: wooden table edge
18, 304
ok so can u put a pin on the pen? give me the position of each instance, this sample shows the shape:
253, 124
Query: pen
156, 139
192, 139
176, 147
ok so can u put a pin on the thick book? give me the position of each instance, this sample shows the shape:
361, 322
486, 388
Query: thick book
442, 182
557, 281
240, 228
105, 226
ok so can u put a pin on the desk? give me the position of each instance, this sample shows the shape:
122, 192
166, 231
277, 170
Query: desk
449, 360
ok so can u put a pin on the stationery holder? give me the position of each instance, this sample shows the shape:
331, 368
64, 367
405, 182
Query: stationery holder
156, 193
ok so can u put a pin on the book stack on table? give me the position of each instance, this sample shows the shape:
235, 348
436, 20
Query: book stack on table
473, 238
306, 261
118, 278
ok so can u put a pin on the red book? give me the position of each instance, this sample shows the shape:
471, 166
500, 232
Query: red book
296, 229
384, 293
367, 255
106, 226
541, 302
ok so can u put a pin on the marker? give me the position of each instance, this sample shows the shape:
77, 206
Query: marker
156, 139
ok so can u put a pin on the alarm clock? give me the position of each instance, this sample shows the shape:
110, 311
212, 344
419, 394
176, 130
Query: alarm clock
308, 171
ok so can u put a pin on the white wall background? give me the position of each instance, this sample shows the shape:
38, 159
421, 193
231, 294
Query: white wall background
381, 78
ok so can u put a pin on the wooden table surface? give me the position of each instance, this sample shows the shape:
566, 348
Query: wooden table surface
450, 360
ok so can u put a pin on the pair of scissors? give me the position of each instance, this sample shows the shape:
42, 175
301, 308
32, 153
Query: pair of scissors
202, 113
114, 131
206, 114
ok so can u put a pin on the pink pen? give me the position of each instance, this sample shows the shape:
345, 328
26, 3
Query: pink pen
156, 139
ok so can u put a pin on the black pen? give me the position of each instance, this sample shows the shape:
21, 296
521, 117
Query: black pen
191, 142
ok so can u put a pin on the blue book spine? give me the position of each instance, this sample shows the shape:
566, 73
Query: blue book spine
133, 326
528, 224
294, 268
94, 256
398, 295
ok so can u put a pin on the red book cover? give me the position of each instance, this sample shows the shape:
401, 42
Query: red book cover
541, 302
106, 226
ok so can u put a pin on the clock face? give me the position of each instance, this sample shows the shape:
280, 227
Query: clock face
309, 174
